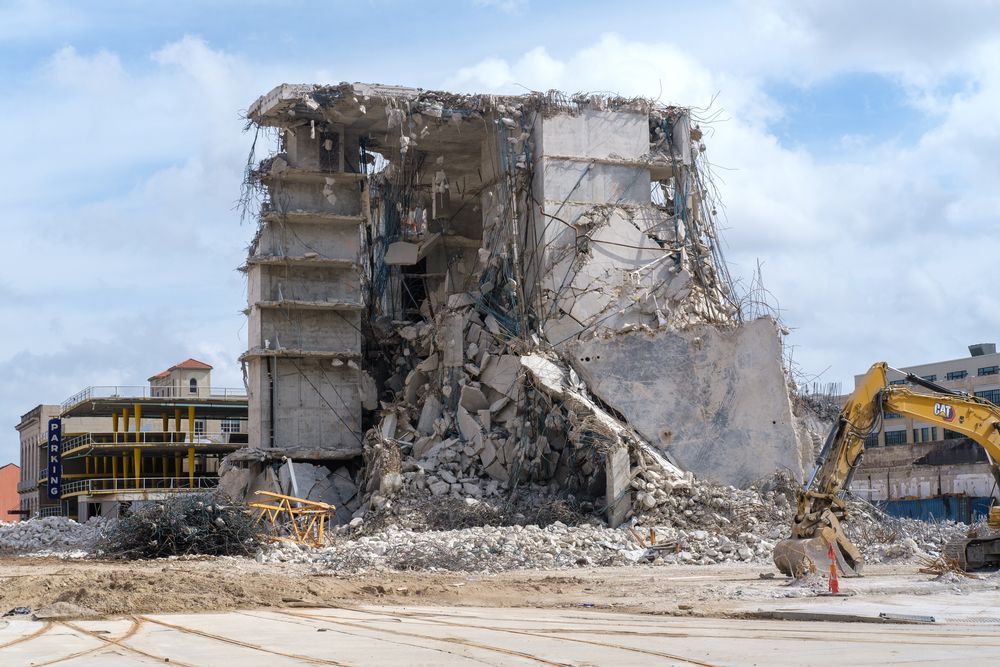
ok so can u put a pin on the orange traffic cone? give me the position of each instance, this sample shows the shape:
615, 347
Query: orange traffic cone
834, 582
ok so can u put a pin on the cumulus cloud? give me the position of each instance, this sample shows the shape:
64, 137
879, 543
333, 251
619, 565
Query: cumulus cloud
122, 214
855, 248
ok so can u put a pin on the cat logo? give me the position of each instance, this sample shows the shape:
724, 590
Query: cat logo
945, 412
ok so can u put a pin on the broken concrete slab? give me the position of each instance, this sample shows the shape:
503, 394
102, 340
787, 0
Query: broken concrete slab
618, 496
503, 374
472, 399
452, 341
715, 401
468, 426
488, 454
429, 414
405, 253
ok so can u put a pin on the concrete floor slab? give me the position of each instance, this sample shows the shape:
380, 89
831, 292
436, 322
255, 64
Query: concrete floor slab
370, 635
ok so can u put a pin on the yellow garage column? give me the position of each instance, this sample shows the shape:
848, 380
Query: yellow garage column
191, 449
124, 425
138, 421
137, 455
166, 425
114, 470
177, 423
114, 427
124, 471
177, 467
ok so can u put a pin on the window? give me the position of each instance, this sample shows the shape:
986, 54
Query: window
991, 395
898, 382
988, 370
929, 378
891, 415
199, 427
895, 437
950, 435
871, 440
230, 425
192, 386
956, 375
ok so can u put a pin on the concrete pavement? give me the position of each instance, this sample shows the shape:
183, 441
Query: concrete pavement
434, 636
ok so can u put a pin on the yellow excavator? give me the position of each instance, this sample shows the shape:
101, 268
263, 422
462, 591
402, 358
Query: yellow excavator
821, 510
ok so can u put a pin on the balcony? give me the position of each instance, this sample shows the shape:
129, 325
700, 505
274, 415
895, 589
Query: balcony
52, 510
142, 485
139, 392
87, 442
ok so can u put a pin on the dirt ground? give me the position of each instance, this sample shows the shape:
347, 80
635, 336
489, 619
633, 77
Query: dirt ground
210, 584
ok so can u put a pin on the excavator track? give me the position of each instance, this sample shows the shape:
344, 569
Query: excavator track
975, 553
955, 551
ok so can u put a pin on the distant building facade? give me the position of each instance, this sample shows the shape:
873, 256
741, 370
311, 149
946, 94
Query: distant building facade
33, 434
924, 470
10, 503
131, 443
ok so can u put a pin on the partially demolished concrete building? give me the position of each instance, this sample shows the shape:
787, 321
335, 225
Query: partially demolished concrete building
465, 294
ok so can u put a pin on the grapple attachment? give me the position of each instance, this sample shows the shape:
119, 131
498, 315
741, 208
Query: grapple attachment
816, 526
797, 557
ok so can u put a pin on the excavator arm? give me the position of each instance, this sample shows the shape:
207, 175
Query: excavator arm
820, 508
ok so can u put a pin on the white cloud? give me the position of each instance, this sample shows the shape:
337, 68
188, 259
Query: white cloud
99, 72
121, 211
856, 249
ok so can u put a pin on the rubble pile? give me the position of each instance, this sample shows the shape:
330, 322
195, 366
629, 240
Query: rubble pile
882, 538
50, 536
711, 524
473, 417
482, 549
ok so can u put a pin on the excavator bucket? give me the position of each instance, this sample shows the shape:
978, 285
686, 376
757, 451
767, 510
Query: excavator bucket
797, 557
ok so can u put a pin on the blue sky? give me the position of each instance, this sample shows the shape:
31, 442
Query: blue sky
857, 153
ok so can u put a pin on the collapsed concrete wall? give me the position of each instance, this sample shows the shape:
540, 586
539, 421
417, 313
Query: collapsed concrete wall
714, 401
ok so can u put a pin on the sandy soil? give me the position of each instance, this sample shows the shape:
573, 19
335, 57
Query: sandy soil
209, 584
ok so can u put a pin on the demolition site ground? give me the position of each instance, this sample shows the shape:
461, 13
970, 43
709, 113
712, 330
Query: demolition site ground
96, 588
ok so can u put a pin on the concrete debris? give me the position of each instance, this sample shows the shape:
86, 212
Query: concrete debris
724, 526
517, 423
50, 536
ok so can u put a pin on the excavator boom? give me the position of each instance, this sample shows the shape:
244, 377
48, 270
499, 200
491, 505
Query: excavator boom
821, 511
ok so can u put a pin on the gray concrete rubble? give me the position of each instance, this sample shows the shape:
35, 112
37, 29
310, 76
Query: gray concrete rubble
703, 524
484, 298
51, 536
